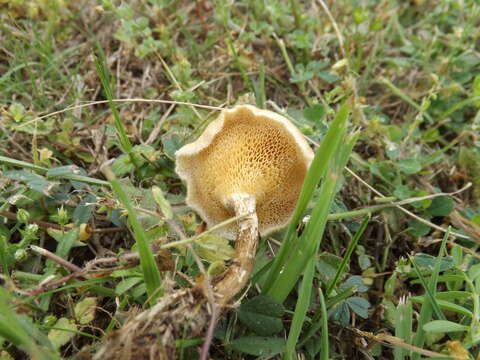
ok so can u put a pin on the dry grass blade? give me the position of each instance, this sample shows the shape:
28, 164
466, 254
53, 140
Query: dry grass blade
395, 341
409, 213
91, 103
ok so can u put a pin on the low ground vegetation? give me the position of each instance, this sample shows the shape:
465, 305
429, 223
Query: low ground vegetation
396, 271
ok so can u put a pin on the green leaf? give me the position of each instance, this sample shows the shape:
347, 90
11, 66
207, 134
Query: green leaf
38, 127
83, 211
417, 228
360, 15
409, 166
259, 346
314, 113
64, 330
85, 310
354, 281
139, 290
441, 326
17, 110
61, 171
104, 75
262, 314
171, 143
431, 135
395, 133
214, 248
33, 181
126, 284
22, 332
122, 166
359, 306
392, 150
364, 261
444, 305
328, 77
450, 295
216, 268
474, 272
341, 313
327, 266
66, 240
125, 12
162, 202
441, 206
428, 261
402, 192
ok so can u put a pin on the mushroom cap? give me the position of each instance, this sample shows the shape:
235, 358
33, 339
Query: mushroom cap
246, 150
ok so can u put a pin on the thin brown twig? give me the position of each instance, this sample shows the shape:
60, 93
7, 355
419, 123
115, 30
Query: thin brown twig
335, 27
61, 261
43, 224
54, 283
127, 260
108, 230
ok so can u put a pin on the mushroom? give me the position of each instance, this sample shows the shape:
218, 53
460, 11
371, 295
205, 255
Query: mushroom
245, 151
248, 162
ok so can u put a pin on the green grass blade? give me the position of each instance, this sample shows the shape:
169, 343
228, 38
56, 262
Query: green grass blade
301, 308
149, 267
307, 246
429, 306
345, 294
285, 281
403, 327
21, 332
320, 163
102, 71
430, 293
85, 179
445, 305
324, 352
3, 255
330, 303
27, 165
67, 242
348, 254
317, 170
260, 97
22, 164
238, 63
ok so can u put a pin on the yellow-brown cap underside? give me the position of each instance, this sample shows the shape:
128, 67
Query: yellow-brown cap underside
253, 155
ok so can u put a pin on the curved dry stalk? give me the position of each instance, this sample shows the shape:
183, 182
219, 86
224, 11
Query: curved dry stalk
238, 274
185, 313
91, 103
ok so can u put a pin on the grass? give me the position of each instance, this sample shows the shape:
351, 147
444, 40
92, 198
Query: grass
390, 89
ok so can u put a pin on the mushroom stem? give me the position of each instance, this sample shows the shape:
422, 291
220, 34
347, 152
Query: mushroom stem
185, 313
239, 272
